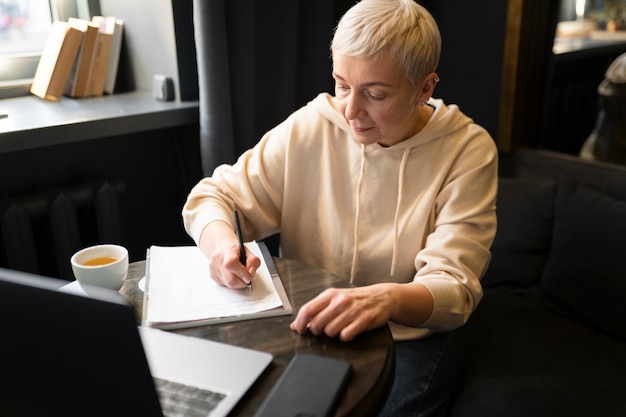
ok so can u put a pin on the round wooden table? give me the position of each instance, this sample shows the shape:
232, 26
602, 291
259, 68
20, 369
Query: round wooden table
371, 354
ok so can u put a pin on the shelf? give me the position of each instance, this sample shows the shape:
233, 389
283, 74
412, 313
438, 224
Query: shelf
34, 123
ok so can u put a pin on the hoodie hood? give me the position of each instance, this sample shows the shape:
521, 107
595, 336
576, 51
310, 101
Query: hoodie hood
444, 121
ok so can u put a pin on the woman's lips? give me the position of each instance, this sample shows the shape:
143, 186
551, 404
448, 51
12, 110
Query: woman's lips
358, 129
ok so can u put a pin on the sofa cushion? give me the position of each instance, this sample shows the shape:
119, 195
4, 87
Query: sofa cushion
520, 249
528, 361
585, 277
534, 163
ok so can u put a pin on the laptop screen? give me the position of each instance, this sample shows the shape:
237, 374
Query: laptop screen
68, 355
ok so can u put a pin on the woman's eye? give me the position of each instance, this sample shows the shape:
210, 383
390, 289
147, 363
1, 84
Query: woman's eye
376, 96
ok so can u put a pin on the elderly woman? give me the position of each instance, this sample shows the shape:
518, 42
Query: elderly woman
379, 183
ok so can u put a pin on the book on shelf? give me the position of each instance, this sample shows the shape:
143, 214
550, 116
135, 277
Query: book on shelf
56, 62
76, 85
179, 291
100, 65
114, 55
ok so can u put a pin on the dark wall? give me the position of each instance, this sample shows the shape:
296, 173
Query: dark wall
279, 59
156, 168
471, 59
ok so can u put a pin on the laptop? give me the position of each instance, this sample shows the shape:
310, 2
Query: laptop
64, 354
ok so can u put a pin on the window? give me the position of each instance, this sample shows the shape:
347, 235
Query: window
24, 28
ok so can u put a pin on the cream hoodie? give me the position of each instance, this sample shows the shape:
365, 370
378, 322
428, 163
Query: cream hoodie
421, 210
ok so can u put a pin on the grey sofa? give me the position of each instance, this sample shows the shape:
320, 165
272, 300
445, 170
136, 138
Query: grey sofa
549, 336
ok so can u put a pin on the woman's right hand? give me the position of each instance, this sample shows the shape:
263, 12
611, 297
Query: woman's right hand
220, 244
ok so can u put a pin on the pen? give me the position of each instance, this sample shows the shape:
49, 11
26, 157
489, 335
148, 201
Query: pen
242, 249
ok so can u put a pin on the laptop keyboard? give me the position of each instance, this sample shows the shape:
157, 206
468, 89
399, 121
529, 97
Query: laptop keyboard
179, 400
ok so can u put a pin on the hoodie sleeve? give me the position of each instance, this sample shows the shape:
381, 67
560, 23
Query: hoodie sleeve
457, 251
253, 185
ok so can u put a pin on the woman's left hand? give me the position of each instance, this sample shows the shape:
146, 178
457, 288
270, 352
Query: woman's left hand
345, 312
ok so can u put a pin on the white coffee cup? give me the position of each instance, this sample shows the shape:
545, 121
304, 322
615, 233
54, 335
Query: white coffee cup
104, 266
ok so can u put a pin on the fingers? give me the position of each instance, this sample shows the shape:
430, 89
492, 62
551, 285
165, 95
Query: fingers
221, 245
336, 315
226, 269
342, 313
308, 311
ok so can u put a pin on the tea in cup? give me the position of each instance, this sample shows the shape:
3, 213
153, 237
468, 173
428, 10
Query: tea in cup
104, 266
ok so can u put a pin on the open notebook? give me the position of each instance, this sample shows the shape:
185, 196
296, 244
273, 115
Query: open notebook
65, 354
179, 291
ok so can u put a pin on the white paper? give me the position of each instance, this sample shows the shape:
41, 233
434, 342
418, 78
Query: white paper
181, 288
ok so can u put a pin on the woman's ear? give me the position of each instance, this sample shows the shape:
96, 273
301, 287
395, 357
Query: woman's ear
426, 89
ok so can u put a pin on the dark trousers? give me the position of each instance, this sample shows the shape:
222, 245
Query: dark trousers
427, 371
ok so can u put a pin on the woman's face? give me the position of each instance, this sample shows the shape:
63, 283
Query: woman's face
377, 100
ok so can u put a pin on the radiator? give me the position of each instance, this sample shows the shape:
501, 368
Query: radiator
41, 231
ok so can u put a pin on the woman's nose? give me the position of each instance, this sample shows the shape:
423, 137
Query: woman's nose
354, 108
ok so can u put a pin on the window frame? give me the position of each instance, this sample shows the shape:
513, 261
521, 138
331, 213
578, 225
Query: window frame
17, 70
17, 73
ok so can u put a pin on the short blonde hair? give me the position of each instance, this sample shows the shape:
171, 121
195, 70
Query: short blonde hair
402, 27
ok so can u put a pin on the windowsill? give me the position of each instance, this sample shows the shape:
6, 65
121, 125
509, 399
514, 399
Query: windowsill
564, 46
32, 122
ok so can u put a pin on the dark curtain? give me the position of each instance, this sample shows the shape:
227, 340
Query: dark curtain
258, 61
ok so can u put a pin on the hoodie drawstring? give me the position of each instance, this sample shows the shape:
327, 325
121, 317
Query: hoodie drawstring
356, 217
396, 220
396, 227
